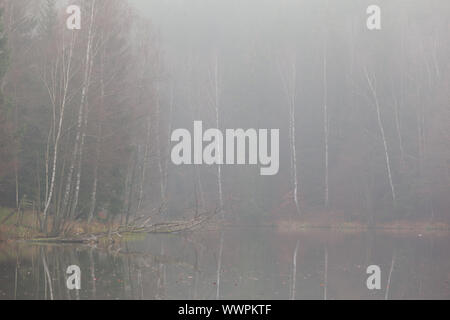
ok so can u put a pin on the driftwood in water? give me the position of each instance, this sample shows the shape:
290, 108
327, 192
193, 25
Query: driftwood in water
163, 227
60, 240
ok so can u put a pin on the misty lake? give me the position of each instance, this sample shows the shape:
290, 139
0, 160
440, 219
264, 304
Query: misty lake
236, 263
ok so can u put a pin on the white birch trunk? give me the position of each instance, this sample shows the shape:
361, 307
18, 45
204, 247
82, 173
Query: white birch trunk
66, 79
325, 281
47, 163
399, 132
144, 163
219, 267
294, 271
289, 82
83, 114
143, 173
165, 180
47, 274
99, 138
293, 140
158, 147
383, 136
325, 122
217, 110
388, 286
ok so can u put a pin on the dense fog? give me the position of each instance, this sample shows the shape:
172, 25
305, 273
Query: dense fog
224, 149
363, 115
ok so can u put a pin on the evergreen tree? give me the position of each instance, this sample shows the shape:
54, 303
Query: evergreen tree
4, 52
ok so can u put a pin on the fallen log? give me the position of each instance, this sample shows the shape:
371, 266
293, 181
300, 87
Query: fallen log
55, 240
162, 227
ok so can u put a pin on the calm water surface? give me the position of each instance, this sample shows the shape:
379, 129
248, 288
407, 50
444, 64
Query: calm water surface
254, 263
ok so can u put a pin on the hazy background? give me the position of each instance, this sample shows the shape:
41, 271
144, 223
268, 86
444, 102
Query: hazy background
408, 60
85, 122
363, 114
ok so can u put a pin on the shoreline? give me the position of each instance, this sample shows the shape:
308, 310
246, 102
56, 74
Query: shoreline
398, 226
80, 232
104, 232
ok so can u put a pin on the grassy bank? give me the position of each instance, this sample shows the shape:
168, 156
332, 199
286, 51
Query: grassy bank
26, 227
13, 227
336, 222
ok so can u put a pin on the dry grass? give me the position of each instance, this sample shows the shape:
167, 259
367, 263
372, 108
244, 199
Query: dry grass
28, 228
332, 221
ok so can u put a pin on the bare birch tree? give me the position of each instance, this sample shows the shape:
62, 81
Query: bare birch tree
294, 272
325, 119
65, 79
82, 121
288, 74
216, 104
383, 136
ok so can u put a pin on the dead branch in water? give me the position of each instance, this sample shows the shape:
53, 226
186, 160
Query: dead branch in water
162, 227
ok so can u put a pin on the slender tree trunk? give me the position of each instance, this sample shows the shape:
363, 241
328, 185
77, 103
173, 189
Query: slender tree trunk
95, 182
39, 195
399, 132
134, 161
158, 148
99, 137
325, 121
167, 158
293, 139
199, 197
219, 267
289, 82
66, 80
294, 271
196, 274
16, 178
47, 158
383, 136
92, 269
165, 171
388, 286
58, 220
47, 274
217, 114
144, 163
83, 112
325, 281
161, 282
148, 124
15, 277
